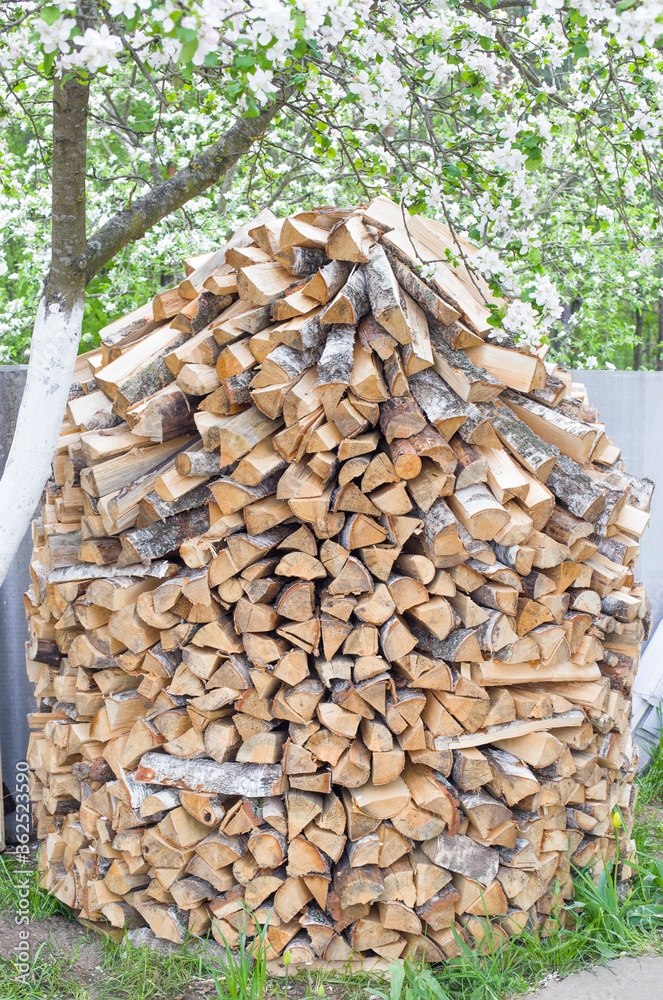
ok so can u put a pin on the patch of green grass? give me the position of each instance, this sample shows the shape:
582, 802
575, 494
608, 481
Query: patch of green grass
19, 880
650, 779
245, 970
48, 975
131, 972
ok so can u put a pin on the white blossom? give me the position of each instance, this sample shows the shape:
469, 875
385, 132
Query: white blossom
549, 8
127, 8
99, 49
409, 189
521, 320
646, 258
260, 82
55, 37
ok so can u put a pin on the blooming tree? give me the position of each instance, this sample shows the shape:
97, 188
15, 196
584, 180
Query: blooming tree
531, 128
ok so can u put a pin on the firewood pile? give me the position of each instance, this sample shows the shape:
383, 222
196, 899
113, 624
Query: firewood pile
333, 615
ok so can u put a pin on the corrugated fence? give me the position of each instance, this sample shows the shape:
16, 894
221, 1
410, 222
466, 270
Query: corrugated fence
631, 406
16, 698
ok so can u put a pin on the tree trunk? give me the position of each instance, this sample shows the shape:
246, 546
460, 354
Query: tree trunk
74, 262
57, 326
637, 350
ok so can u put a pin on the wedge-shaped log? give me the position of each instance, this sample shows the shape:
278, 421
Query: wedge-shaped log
461, 854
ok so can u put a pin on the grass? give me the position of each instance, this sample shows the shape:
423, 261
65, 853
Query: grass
141, 973
15, 877
650, 779
50, 976
606, 922
245, 971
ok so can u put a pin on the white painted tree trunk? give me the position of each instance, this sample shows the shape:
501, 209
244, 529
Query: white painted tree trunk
55, 340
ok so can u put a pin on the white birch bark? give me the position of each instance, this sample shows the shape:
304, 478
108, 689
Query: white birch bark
53, 353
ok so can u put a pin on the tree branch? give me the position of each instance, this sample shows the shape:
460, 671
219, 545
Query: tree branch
201, 173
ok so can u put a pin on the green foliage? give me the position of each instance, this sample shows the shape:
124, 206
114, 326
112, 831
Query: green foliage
412, 981
650, 779
19, 880
621, 920
533, 127
49, 977
245, 969
140, 972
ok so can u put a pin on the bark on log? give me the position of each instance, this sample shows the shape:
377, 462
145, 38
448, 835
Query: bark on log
204, 775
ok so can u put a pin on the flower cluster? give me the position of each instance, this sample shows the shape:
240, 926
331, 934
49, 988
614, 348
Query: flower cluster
534, 131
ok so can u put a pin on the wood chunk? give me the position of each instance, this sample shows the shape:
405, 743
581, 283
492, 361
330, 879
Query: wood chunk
260, 284
575, 490
536, 455
461, 854
374, 337
350, 241
476, 508
351, 302
444, 409
324, 285
401, 417
335, 365
472, 384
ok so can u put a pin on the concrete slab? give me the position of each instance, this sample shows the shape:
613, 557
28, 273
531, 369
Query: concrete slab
623, 979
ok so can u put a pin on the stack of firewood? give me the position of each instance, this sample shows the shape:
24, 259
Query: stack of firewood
333, 615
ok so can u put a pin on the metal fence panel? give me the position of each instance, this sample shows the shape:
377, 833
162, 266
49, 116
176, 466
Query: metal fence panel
631, 406
17, 699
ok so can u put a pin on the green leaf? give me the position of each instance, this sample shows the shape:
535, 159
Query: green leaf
580, 50
396, 980
534, 160
49, 14
245, 61
49, 59
188, 51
